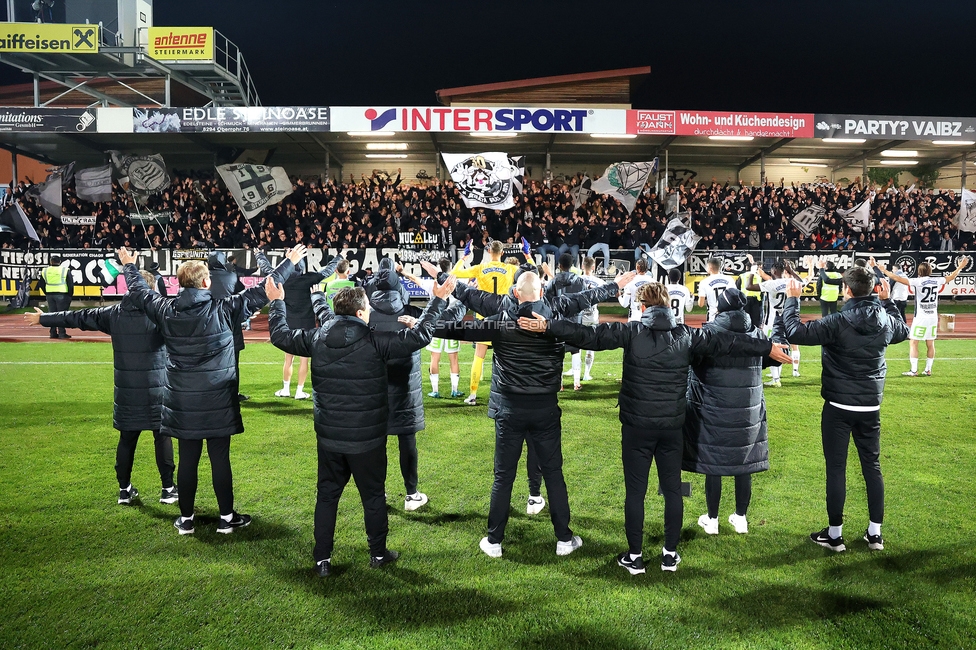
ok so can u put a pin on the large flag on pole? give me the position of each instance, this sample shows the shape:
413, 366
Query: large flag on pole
582, 192
966, 218
486, 180
858, 217
15, 220
255, 187
142, 175
807, 219
624, 181
675, 245
94, 184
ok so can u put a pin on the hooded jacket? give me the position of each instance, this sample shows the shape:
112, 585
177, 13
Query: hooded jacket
200, 398
853, 343
725, 419
349, 372
298, 297
223, 283
386, 267
565, 282
139, 357
657, 354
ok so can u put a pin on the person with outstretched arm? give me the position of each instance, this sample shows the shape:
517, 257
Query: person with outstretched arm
351, 405
853, 344
200, 397
657, 355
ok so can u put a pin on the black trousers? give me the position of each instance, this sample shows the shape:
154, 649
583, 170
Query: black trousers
534, 471
901, 305
369, 470
538, 425
755, 310
218, 449
828, 307
409, 460
638, 449
126, 452
837, 427
713, 494
58, 302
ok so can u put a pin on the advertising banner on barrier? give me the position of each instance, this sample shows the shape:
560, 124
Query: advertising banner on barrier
464, 119
49, 38
231, 119
886, 127
181, 43
719, 123
18, 119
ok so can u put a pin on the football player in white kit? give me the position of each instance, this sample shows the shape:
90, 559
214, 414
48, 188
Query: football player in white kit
590, 316
678, 294
713, 286
775, 289
628, 297
925, 320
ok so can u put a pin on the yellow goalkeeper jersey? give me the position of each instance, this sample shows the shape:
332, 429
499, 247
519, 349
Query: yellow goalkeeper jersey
493, 277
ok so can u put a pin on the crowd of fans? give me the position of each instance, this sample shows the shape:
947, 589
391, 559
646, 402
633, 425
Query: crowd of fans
372, 211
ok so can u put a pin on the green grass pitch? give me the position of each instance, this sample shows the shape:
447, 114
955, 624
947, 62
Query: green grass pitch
80, 571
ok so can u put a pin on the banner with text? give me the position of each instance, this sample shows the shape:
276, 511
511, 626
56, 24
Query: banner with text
887, 127
717, 123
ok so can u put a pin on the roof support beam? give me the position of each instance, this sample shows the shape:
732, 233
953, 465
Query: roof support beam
664, 145
328, 150
867, 154
768, 150
36, 156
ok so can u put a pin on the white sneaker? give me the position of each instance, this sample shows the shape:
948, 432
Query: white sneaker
301, 395
415, 501
738, 522
565, 548
568, 373
775, 383
284, 392
491, 550
535, 506
471, 399
710, 525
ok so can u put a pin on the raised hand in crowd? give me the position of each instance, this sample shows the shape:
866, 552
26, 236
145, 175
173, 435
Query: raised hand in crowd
431, 270
884, 289
127, 257
297, 253
625, 278
274, 291
444, 290
794, 289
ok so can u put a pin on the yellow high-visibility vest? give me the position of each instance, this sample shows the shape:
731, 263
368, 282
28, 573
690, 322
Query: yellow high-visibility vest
55, 279
748, 278
830, 292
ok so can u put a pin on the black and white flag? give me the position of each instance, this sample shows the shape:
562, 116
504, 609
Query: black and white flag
94, 184
486, 180
49, 192
255, 187
625, 181
13, 219
582, 192
675, 245
142, 175
859, 217
672, 205
807, 219
966, 218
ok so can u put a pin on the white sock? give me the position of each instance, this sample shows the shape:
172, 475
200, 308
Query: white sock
928, 364
634, 557
667, 552
227, 517
328, 559
590, 356
873, 528
576, 368
914, 362
286, 386
776, 371
182, 518
129, 489
300, 389
835, 531
455, 380
434, 381
796, 359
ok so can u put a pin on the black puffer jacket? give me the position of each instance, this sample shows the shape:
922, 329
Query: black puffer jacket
404, 386
298, 297
565, 282
349, 377
657, 354
200, 400
854, 343
725, 422
223, 284
139, 357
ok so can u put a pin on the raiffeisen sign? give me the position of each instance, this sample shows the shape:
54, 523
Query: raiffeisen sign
463, 119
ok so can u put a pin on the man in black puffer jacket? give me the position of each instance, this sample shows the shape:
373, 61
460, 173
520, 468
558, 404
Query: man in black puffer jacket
140, 377
725, 421
853, 343
657, 355
223, 283
200, 400
351, 406
565, 282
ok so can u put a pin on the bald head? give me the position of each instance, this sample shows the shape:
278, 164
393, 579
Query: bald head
529, 287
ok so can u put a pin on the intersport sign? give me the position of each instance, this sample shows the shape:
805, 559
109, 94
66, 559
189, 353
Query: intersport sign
478, 119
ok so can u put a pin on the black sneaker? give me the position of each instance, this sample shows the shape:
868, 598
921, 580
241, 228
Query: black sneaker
241, 397
635, 566
323, 569
64, 336
169, 495
236, 521
875, 543
185, 526
670, 562
128, 496
821, 538
388, 558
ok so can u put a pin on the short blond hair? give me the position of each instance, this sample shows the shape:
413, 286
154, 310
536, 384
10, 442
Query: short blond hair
192, 274
149, 278
496, 248
653, 294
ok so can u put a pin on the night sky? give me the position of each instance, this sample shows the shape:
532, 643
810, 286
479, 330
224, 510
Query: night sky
858, 56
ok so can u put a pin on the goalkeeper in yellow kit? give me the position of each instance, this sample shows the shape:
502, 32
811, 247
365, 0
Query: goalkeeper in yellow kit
493, 276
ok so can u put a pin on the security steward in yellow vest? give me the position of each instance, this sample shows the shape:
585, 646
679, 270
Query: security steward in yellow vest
753, 298
57, 286
829, 285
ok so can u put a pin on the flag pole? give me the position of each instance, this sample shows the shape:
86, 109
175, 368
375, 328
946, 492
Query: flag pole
141, 220
253, 234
